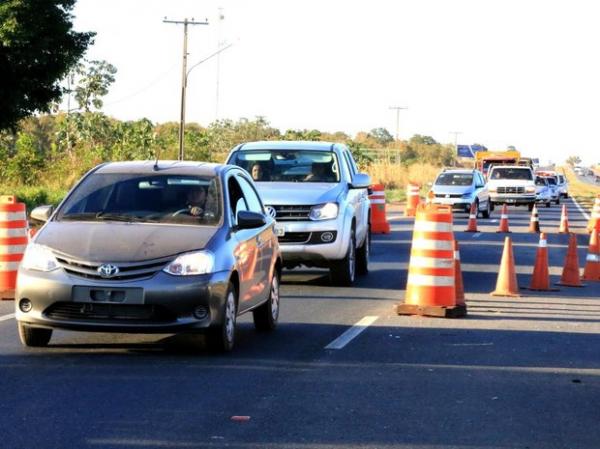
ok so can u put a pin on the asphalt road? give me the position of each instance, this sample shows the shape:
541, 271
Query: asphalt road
516, 373
588, 179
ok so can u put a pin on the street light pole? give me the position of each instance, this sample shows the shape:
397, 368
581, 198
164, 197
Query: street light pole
397, 109
456, 133
184, 72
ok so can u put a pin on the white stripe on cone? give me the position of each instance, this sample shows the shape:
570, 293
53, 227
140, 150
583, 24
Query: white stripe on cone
430, 262
12, 216
377, 201
593, 258
433, 226
9, 266
543, 243
12, 249
13, 232
425, 280
432, 244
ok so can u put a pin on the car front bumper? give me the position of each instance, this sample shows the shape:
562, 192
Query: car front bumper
463, 204
159, 304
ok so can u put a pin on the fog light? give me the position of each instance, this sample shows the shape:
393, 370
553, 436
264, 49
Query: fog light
327, 237
200, 312
25, 305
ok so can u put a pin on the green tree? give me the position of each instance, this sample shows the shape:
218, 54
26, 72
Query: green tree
37, 49
573, 160
95, 77
382, 136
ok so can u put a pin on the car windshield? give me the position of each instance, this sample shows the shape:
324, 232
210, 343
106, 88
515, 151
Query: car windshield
289, 165
454, 179
540, 181
142, 198
551, 180
521, 174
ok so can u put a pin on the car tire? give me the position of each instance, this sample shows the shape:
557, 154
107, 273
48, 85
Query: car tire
221, 338
363, 254
35, 337
343, 271
486, 213
558, 200
548, 203
266, 316
530, 206
492, 206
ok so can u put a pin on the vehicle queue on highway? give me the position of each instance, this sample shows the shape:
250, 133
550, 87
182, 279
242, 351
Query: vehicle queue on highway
173, 246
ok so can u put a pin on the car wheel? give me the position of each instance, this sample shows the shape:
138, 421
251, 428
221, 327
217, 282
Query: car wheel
221, 338
266, 316
488, 210
363, 254
343, 271
548, 203
34, 336
530, 206
558, 200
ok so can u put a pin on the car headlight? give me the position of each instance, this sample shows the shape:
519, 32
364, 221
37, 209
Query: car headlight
40, 258
467, 195
530, 189
190, 264
325, 211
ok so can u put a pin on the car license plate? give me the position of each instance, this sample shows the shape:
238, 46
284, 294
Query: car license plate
510, 200
279, 230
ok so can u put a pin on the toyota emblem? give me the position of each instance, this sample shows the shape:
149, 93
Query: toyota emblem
271, 211
108, 271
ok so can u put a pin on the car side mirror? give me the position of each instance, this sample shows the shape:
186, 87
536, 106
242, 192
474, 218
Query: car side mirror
480, 186
42, 213
250, 220
360, 181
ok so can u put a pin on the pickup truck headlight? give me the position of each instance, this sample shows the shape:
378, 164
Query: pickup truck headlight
530, 189
40, 258
325, 211
493, 189
190, 264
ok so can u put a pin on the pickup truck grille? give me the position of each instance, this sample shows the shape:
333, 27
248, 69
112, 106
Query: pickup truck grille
511, 189
292, 213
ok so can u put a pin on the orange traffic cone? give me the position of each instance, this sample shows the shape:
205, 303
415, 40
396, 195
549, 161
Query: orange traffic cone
458, 277
540, 280
594, 222
503, 227
379, 223
430, 288
564, 221
591, 272
534, 222
472, 225
570, 274
506, 285
412, 199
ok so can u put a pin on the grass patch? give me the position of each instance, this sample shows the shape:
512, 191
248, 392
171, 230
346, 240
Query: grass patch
34, 196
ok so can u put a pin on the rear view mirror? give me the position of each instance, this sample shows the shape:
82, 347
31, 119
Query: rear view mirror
360, 181
42, 213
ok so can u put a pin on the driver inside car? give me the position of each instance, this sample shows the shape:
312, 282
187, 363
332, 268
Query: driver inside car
196, 201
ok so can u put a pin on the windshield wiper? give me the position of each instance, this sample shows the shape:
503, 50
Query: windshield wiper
118, 217
79, 216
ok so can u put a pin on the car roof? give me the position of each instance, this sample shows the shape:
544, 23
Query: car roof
166, 167
459, 170
512, 166
287, 145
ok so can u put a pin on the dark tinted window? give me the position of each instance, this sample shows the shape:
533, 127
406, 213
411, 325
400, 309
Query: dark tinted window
454, 179
539, 181
145, 198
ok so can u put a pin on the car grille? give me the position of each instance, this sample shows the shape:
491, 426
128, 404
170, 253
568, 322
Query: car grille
131, 313
292, 213
448, 195
295, 237
127, 271
511, 190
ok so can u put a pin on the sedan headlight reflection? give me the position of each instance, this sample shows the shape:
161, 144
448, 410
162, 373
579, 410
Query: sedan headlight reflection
189, 264
40, 258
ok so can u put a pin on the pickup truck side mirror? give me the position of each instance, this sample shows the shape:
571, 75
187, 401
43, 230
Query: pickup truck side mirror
360, 181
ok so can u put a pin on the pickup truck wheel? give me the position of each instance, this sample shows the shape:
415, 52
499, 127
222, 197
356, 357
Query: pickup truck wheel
34, 336
266, 316
343, 271
530, 206
363, 253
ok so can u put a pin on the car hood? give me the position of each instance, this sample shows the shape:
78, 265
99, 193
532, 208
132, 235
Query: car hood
452, 190
122, 242
294, 193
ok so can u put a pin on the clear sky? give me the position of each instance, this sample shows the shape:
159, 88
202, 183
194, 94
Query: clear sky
507, 72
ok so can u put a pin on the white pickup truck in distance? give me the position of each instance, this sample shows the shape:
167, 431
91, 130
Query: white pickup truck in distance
513, 185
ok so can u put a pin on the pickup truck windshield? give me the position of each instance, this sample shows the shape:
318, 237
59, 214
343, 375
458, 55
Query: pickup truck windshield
521, 174
143, 198
289, 165
454, 179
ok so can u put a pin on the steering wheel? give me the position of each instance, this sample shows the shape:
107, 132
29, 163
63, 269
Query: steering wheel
180, 211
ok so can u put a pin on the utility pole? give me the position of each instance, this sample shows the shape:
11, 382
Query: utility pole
185, 24
397, 109
219, 45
